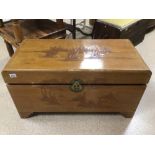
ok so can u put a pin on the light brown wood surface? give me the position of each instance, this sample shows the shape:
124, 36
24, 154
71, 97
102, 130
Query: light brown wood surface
92, 61
122, 99
111, 72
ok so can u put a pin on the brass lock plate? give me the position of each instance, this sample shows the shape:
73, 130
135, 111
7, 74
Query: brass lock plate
76, 86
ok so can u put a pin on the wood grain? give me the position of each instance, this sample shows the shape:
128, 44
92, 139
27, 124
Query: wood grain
92, 61
122, 99
18, 34
16, 30
112, 76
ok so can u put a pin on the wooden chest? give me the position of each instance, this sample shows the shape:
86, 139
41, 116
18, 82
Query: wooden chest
76, 76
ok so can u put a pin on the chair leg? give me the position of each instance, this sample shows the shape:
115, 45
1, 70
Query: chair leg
9, 48
74, 29
1, 23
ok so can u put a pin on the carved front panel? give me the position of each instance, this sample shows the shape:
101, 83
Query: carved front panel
93, 98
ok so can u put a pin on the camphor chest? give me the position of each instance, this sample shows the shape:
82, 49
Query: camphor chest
76, 76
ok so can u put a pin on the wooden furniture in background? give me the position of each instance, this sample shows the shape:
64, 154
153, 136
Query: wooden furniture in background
76, 76
134, 30
73, 28
15, 31
92, 21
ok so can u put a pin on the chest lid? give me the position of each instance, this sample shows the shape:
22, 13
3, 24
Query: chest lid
52, 61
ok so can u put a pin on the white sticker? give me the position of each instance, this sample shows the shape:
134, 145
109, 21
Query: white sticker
12, 75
